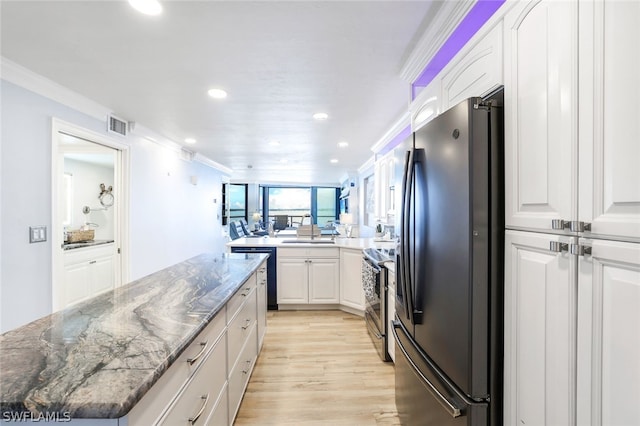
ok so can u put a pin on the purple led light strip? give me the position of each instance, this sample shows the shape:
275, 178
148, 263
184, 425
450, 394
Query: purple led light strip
475, 19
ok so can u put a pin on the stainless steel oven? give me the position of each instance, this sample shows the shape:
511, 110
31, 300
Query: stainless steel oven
374, 284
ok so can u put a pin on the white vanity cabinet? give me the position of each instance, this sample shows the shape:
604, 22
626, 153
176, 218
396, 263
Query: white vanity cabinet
88, 271
308, 275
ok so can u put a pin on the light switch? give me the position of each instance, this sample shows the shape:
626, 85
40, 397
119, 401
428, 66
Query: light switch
37, 234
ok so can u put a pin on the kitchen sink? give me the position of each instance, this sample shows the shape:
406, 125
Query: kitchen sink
308, 241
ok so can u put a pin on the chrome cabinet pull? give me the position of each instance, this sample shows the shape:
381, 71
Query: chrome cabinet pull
199, 354
558, 247
195, 418
580, 250
248, 321
248, 290
572, 225
247, 365
560, 224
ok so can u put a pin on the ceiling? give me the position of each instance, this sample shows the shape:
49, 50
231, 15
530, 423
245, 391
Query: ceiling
279, 61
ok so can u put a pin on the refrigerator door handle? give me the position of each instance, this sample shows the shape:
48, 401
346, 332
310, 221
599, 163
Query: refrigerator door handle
407, 218
446, 404
404, 235
419, 163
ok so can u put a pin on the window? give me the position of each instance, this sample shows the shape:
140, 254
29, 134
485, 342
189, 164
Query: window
296, 202
238, 201
326, 205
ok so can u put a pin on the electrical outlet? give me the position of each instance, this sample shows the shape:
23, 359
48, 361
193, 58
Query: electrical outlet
37, 234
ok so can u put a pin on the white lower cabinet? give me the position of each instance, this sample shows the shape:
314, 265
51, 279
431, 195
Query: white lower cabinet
239, 374
351, 292
261, 298
540, 311
572, 345
608, 369
194, 404
205, 385
308, 276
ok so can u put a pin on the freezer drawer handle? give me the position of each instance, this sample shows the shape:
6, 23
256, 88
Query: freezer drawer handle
452, 409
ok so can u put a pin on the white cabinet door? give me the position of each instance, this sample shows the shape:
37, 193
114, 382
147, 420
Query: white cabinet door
102, 278
608, 380
76, 286
324, 281
293, 280
610, 117
540, 322
540, 80
477, 73
351, 292
262, 304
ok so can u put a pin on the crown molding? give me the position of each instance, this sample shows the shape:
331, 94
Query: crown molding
400, 124
369, 164
29, 80
450, 14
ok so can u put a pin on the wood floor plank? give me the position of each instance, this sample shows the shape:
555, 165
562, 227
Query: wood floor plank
318, 368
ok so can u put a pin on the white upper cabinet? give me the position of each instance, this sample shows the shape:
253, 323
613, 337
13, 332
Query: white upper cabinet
609, 76
478, 72
540, 114
569, 161
426, 106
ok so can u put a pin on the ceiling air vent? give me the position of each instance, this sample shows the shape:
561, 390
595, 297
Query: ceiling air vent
187, 155
116, 125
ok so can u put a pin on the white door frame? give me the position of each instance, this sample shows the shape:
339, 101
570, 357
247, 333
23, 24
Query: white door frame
121, 214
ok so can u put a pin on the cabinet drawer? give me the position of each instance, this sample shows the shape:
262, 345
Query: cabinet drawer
309, 252
220, 413
239, 376
236, 300
240, 326
148, 409
202, 392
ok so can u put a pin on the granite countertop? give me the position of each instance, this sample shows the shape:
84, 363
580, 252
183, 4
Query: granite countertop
98, 358
82, 244
342, 242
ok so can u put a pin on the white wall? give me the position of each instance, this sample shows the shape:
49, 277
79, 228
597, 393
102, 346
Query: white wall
87, 178
170, 218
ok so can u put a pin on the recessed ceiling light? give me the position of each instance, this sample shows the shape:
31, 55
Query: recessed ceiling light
190, 140
217, 93
274, 143
284, 160
320, 116
148, 7
334, 160
343, 144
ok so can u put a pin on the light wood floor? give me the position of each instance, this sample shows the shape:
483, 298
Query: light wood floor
318, 368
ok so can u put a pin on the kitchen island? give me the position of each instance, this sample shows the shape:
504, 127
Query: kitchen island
100, 359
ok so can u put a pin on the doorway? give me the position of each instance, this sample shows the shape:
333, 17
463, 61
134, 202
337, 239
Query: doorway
89, 224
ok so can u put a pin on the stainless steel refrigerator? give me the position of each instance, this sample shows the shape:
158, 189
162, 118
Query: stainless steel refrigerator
449, 301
